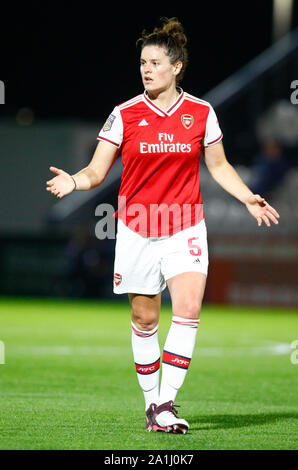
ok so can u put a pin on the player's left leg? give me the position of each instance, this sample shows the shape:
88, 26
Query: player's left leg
187, 291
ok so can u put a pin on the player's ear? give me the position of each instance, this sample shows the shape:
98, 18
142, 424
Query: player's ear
177, 67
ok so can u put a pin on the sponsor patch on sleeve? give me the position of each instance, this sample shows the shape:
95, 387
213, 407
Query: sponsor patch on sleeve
109, 122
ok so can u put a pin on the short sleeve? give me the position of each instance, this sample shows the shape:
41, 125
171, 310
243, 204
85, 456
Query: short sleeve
112, 130
213, 132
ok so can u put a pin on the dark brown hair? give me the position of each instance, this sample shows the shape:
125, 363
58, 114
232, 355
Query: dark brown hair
172, 37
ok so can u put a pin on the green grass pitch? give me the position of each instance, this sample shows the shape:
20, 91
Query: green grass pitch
69, 380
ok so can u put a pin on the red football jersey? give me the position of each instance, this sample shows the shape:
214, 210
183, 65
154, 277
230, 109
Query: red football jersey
160, 187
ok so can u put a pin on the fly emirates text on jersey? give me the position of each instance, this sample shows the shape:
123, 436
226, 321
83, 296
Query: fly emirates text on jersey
166, 144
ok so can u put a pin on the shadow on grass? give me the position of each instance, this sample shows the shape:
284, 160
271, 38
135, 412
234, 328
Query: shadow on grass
228, 421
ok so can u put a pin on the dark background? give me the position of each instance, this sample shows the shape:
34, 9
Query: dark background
65, 66
80, 59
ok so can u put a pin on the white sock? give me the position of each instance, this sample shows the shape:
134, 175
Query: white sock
176, 358
146, 355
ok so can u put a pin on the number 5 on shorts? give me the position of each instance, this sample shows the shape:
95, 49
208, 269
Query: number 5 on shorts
194, 250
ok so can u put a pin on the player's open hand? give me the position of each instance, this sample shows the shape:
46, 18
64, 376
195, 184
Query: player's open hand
261, 210
60, 185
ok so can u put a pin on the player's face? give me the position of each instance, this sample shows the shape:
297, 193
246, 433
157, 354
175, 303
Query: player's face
158, 74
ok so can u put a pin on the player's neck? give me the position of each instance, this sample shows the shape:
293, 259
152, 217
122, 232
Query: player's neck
164, 99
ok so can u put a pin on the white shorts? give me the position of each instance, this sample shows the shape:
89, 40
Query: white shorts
144, 264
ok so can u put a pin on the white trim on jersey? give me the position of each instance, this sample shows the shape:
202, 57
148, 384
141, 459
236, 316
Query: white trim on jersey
214, 141
171, 109
213, 132
196, 100
152, 106
109, 141
177, 104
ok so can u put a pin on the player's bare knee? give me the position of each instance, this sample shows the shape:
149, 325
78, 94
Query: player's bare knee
190, 311
144, 320
145, 324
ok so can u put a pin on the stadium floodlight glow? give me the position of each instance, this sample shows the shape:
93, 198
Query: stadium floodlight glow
2, 93
282, 17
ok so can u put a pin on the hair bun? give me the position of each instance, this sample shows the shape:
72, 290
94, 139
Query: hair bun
172, 27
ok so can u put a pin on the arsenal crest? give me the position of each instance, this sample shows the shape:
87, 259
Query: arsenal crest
117, 278
187, 120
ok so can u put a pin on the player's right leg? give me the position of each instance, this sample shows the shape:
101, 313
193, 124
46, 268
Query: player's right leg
145, 310
137, 273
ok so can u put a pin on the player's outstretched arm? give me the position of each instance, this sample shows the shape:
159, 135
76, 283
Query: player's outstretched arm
227, 177
90, 177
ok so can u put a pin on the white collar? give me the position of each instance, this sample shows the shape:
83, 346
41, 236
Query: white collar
171, 109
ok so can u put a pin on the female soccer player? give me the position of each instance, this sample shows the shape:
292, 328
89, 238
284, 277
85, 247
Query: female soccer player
161, 237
